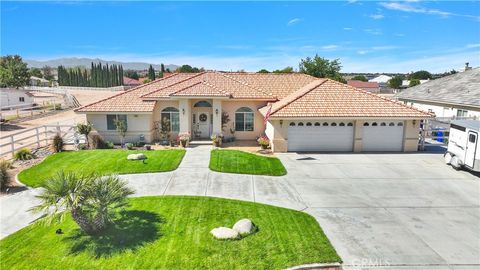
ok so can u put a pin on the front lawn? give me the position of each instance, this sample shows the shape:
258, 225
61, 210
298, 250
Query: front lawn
102, 162
234, 161
172, 232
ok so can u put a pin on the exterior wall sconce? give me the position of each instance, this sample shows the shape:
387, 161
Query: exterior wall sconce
414, 122
183, 110
216, 111
281, 122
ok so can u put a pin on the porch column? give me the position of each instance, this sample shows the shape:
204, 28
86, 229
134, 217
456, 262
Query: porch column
185, 112
217, 116
357, 137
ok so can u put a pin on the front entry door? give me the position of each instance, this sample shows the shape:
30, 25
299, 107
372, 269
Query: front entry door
471, 148
202, 124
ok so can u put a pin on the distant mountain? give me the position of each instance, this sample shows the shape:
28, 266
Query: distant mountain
86, 62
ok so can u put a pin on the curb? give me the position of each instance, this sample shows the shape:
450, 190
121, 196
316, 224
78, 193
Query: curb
314, 266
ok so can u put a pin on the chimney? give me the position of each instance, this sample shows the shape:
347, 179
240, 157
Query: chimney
467, 67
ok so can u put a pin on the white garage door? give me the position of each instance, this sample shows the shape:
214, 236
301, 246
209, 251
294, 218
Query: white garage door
382, 136
320, 136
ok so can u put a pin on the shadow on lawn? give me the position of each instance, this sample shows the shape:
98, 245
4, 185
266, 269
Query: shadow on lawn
132, 230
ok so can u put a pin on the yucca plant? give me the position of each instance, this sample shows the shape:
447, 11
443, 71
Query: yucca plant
92, 200
85, 129
5, 165
57, 143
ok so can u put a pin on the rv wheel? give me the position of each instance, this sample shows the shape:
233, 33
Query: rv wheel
455, 162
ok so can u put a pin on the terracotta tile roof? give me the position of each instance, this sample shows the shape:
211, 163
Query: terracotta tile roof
327, 98
278, 85
130, 81
130, 100
363, 85
217, 80
201, 89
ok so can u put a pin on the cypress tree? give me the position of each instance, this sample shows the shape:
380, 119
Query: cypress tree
162, 68
151, 73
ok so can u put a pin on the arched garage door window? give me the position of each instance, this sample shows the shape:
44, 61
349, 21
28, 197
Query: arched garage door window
171, 115
244, 119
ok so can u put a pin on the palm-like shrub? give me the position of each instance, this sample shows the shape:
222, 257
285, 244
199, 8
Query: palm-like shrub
5, 165
91, 200
84, 129
24, 154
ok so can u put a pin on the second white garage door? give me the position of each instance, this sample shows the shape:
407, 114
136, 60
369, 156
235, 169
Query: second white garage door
382, 136
320, 136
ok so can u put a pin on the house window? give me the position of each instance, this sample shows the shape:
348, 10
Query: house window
333, 124
317, 124
309, 124
244, 119
292, 124
366, 124
350, 124
21, 99
325, 124
202, 104
462, 113
300, 124
171, 114
111, 118
399, 124
341, 124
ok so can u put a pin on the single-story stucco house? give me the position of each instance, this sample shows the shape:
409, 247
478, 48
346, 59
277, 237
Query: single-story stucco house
304, 113
453, 96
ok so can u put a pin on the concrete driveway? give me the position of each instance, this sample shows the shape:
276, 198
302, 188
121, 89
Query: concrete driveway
398, 211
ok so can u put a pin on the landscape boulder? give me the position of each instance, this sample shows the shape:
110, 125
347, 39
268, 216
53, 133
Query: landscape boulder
244, 226
136, 157
224, 233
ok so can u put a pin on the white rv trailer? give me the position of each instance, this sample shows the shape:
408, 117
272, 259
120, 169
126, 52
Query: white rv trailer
463, 145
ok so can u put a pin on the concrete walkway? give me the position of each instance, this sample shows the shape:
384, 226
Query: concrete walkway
399, 211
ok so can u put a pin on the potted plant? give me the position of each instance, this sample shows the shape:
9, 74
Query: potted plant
232, 131
184, 138
148, 147
263, 141
217, 139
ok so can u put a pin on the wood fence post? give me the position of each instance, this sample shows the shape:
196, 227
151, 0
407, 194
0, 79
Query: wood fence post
12, 144
38, 137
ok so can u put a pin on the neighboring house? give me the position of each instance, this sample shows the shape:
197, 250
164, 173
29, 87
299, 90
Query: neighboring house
381, 80
372, 87
12, 98
456, 95
130, 83
307, 113
36, 81
406, 83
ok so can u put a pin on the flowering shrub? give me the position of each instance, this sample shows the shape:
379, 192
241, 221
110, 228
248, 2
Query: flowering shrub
184, 137
263, 141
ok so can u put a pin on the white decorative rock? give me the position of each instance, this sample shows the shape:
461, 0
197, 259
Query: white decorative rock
136, 157
225, 233
244, 226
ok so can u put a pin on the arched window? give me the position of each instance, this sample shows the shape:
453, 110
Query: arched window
244, 119
300, 124
399, 124
333, 124
366, 124
383, 124
342, 124
374, 124
317, 124
350, 124
325, 124
292, 124
391, 124
203, 104
309, 124
171, 115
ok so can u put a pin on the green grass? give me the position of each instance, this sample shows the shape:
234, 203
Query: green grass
234, 161
173, 233
102, 162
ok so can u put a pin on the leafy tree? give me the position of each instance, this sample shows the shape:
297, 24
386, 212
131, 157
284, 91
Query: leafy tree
121, 127
414, 82
188, 69
421, 75
147, 80
91, 200
360, 78
285, 70
321, 68
85, 130
36, 72
151, 73
263, 71
395, 82
13, 72
48, 73
132, 74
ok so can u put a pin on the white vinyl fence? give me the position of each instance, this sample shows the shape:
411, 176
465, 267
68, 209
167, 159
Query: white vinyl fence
38, 137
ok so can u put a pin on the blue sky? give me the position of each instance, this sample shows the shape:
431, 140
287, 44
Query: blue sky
390, 36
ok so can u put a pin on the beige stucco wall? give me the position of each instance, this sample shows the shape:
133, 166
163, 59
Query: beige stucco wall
410, 135
258, 128
138, 124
